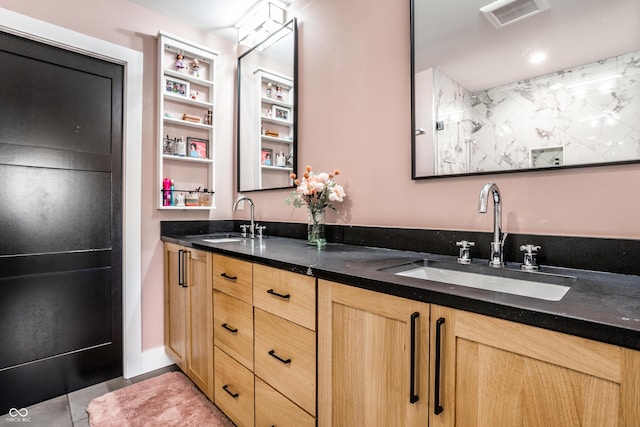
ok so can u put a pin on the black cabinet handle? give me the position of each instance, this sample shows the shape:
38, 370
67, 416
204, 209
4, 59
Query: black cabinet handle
229, 328
274, 293
226, 388
272, 353
226, 276
413, 397
182, 268
180, 251
437, 407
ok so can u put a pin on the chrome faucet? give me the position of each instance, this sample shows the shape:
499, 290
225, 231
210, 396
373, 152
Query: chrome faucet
252, 227
496, 259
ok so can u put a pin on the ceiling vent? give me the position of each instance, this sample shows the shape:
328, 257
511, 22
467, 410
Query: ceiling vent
504, 12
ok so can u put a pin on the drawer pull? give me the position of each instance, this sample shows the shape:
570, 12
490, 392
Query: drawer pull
275, 294
226, 276
226, 388
229, 328
272, 353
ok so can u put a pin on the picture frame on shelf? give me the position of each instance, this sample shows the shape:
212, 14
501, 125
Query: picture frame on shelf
266, 157
176, 87
198, 148
281, 113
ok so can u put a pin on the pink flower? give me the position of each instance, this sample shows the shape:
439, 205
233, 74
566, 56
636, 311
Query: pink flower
317, 191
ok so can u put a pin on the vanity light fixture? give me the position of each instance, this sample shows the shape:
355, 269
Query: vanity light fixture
265, 18
504, 12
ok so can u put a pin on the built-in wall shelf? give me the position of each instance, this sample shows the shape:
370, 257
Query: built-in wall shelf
186, 117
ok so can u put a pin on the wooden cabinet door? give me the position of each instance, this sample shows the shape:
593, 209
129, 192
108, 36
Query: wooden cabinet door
175, 305
200, 322
365, 371
499, 373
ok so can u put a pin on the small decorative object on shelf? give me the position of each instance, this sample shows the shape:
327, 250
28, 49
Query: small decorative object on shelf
191, 118
273, 133
195, 68
319, 192
205, 198
192, 198
176, 87
209, 118
269, 89
281, 113
198, 148
267, 156
179, 62
167, 183
194, 94
279, 92
180, 148
168, 146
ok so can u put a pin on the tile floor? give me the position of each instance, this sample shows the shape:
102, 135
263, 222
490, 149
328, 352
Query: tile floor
69, 410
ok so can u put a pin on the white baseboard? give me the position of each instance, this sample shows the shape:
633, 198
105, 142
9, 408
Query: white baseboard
146, 361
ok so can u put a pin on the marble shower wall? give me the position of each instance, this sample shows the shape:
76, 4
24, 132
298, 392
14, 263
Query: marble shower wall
586, 114
452, 106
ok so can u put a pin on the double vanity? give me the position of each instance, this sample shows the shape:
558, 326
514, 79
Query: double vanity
276, 332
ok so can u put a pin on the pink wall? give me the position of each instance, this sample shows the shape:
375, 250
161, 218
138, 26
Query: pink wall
355, 116
354, 98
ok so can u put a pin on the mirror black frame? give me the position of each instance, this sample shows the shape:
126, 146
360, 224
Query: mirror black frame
294, 113
412, 45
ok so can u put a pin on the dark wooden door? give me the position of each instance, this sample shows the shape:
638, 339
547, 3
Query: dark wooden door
60, 221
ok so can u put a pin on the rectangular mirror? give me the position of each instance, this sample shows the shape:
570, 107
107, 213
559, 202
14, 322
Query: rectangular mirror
267, 111
518, 85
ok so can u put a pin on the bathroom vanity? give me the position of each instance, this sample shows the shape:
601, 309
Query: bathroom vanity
397, 350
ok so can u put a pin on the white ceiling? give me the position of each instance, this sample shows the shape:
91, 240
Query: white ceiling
216, 16
456, 38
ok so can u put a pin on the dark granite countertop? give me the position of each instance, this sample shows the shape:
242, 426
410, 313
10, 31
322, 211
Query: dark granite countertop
601, 306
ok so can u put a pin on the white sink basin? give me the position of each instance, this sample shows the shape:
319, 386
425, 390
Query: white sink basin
223, 240
543, 286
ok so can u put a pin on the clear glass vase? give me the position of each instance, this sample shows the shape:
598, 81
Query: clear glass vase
316, 227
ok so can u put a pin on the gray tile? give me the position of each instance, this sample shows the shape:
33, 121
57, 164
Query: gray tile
79, 399
81, 423
155, 373
50, 413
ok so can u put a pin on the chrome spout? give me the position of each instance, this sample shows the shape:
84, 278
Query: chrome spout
496, 258
252, 227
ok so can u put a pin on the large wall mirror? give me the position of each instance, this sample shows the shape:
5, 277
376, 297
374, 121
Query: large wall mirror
523, 85
267, 111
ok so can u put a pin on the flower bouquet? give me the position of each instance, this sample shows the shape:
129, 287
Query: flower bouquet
318, 191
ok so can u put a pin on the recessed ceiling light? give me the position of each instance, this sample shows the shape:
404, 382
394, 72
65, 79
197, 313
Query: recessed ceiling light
537, 57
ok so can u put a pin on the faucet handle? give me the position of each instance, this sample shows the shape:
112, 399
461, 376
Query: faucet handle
465, 254
530, 262
530, 249
465, 244
244, 229
260, 229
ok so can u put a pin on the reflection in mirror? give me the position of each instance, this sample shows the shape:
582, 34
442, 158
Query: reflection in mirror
267, 112
558, 88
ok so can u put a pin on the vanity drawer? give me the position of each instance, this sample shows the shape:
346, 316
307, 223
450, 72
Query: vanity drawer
289, 295
234, 389
285, 357
273, 409
233, 327
233, 277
